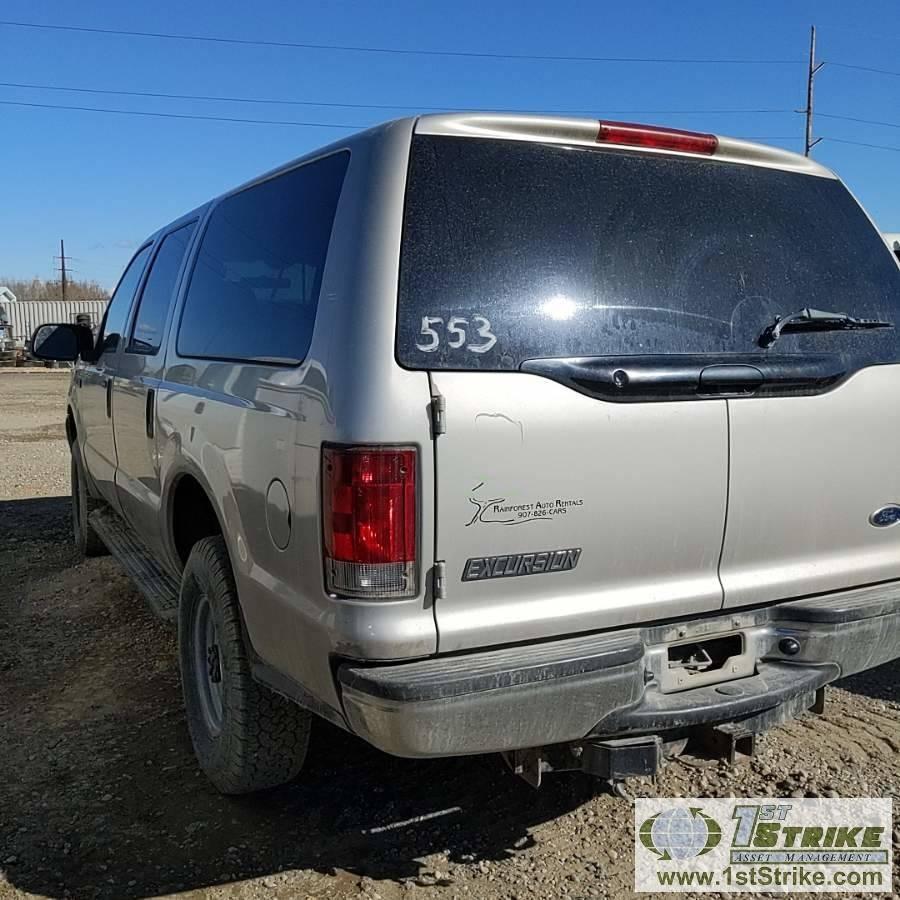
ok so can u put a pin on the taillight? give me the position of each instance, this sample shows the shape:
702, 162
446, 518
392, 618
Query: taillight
660, 138
369, 521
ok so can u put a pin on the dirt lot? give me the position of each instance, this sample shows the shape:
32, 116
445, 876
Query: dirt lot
100, 796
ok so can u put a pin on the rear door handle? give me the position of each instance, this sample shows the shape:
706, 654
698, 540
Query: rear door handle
148, 412
109, 386
730, 379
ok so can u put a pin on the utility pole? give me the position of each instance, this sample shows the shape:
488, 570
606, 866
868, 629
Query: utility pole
62, 267
62, 250
811, 74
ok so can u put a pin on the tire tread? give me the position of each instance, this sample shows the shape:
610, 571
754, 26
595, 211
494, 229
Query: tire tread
87, 540
265, 736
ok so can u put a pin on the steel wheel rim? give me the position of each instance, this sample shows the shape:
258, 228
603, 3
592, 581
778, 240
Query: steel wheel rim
207, 665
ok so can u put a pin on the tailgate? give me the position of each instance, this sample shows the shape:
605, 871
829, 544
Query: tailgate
591, 318
560, 513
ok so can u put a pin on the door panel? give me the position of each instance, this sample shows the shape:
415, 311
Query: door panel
806, 475
98, 449
136, 386
94, 382
528, 466
137, 476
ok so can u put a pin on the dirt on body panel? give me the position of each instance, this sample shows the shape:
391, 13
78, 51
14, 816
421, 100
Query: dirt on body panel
100, 795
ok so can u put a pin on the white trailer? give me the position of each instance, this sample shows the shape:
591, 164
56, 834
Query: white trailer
7, 342
26, 315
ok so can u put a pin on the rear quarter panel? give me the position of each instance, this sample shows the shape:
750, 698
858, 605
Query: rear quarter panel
240, 426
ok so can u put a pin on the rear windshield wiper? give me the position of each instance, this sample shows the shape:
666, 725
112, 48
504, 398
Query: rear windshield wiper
816, 320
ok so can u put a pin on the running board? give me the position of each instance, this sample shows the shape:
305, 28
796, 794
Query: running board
159, 589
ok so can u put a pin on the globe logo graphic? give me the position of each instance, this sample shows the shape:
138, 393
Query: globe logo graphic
680, 833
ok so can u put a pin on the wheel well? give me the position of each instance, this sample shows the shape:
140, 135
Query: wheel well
193, 516
71, 430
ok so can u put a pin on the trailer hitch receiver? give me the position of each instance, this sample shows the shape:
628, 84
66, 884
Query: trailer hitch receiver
620, 758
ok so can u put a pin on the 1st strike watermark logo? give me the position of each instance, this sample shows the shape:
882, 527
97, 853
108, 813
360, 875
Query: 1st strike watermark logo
785, 846
680, 833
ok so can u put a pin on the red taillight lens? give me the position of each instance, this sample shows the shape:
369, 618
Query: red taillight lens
369, 520
660, 138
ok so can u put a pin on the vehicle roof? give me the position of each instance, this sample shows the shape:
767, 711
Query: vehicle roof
547, 129
519, 127
583, 131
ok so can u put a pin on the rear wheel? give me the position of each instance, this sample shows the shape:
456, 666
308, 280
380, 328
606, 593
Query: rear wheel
87, 541
246, 737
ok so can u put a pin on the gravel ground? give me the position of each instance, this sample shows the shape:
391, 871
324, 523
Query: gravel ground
34, 458
100, 795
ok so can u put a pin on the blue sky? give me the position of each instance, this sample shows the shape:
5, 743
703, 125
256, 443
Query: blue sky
104, 181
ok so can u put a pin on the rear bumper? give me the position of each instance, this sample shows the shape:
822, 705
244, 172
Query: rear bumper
608, 685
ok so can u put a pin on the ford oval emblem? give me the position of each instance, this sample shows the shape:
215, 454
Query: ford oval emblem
886, 516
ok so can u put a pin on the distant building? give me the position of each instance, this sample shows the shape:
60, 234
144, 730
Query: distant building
7, 342
6, 296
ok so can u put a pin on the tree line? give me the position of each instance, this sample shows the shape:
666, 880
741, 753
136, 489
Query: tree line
39, 289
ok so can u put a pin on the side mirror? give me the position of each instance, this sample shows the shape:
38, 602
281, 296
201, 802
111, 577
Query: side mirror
62, 342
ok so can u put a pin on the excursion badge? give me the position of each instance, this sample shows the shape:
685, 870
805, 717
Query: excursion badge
542, 562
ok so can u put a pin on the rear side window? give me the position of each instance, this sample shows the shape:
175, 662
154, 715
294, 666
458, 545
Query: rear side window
120, 302
515, 250
255, 285
156, 297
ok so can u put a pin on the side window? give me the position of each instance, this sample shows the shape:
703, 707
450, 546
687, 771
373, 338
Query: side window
120, 302
147, 334
255, 286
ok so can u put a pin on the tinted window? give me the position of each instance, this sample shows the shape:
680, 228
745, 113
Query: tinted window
120, 302
548, 251
255, 285
146, 336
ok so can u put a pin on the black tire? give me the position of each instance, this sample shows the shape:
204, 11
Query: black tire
246, 737
87, 541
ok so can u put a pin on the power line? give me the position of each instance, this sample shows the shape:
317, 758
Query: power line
163, 115
218, 98
863, 32
841, 65
379, 106
861, 121
834, 140
396, 50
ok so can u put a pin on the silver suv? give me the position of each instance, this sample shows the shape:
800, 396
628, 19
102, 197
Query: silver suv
570, 440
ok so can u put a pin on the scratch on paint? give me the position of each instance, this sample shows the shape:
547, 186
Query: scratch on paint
518, 424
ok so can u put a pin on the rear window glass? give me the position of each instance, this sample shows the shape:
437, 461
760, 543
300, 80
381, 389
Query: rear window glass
516, 250
255, 285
